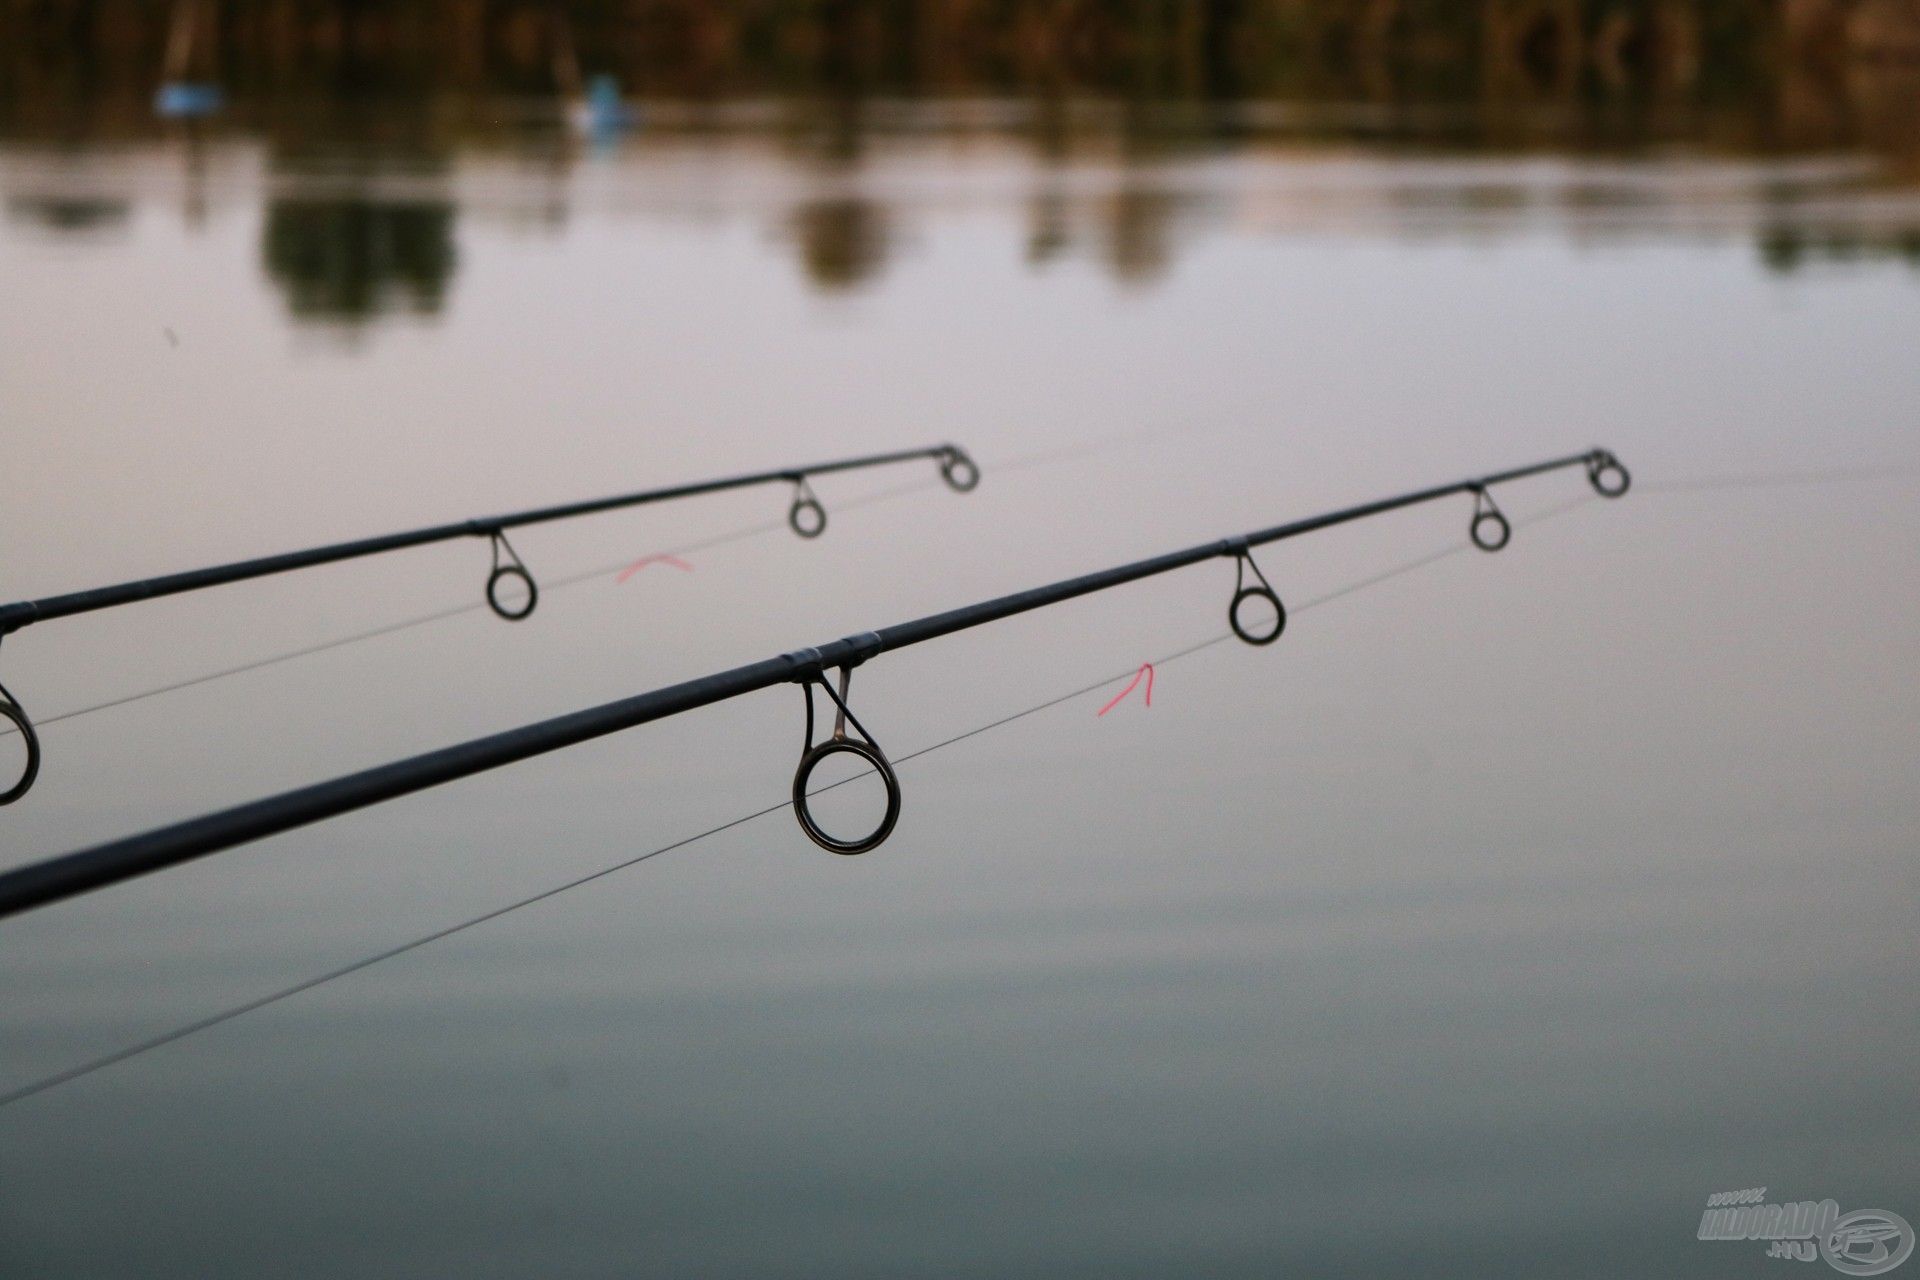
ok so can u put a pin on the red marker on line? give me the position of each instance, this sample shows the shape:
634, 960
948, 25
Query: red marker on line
1146, 670
644, 561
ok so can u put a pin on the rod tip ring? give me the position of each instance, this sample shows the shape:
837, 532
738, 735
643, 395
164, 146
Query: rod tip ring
961, 473
1605, 465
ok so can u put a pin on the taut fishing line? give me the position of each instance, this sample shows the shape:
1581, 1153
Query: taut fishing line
1783, 479
186, 1030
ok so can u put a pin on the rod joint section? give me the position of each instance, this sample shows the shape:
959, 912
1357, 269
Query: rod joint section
807, 665
858, 648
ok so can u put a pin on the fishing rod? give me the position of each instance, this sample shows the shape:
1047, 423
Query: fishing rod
72, 874
807, 516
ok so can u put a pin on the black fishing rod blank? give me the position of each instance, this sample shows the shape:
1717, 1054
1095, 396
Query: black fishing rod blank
510, 589
106, 864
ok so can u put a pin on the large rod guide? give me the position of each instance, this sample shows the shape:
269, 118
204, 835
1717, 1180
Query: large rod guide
510, 590
106, 864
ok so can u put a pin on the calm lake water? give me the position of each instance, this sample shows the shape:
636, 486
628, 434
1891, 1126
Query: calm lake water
1485, 925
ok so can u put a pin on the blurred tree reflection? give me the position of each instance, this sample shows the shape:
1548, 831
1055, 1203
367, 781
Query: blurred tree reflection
357, 92
1049, 226
352, 259
1140, 233
1790, 249
843, 240
353, 116
82, 215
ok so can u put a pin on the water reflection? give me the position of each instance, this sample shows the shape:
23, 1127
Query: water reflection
1140, 239
1485, 927
354, 259
72, 215
382, 125
842, 241
1791, 249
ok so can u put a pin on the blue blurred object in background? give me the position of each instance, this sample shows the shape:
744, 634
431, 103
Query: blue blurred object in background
186, 100
601, 112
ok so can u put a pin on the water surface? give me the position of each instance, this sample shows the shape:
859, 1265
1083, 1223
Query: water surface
1485, 925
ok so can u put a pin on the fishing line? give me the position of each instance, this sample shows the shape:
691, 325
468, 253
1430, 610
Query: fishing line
1782, 480
1315, 602
177, 1034
1020, 462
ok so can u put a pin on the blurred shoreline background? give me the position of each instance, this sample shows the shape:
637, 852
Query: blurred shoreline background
350, 120
1768, 75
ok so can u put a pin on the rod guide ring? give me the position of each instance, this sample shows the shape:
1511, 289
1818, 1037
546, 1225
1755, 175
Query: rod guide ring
807, 526
866, 751
840, 744
506, 567
1489, 530
1501, 534
1243, 591
806, 516
961, 473
13, 711
502, 574
1241, 597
